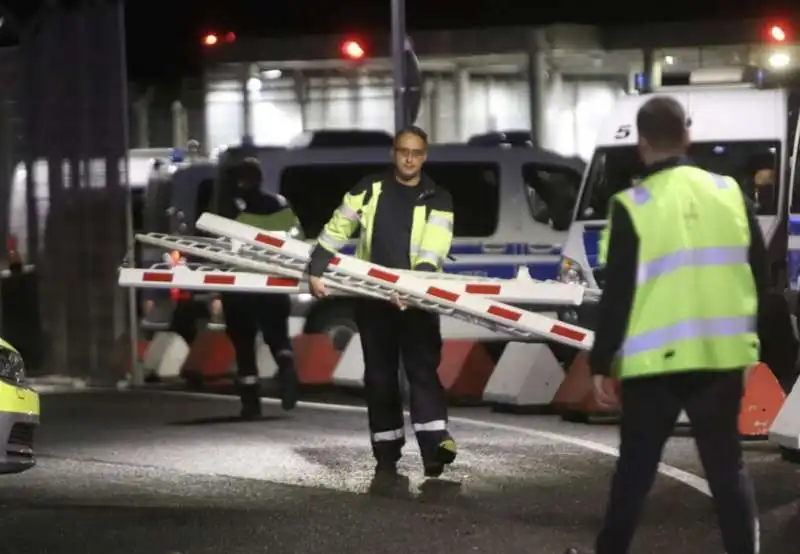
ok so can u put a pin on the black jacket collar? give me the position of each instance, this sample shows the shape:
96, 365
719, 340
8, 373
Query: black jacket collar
669, 163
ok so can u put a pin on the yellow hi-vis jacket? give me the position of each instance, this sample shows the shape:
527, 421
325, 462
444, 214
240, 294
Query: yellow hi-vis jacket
431, 228
695, 302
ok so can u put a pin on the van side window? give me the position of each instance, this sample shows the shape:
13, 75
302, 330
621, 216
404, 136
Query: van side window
552, 192
315, 191
475, 188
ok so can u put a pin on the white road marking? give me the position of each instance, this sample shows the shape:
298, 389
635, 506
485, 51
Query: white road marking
689, 479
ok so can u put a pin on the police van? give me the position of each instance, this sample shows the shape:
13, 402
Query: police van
742, 126
512, 209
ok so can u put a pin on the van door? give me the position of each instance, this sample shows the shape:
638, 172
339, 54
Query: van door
551, 193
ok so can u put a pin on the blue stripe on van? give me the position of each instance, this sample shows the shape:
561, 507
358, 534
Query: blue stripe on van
794, 225
591, 244
793, 255
510, 249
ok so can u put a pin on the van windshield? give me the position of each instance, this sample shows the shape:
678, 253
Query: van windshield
754, 165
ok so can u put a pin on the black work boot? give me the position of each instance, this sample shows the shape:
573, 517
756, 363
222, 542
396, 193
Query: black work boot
442, 455
386, 467
251, 401
289, 385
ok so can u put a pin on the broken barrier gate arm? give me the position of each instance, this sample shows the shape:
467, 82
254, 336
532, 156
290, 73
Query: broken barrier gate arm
374, 280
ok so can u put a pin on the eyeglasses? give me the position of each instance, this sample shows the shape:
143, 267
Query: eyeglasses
410, 152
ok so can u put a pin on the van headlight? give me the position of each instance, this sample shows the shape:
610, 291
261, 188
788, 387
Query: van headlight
12, 368
571, 273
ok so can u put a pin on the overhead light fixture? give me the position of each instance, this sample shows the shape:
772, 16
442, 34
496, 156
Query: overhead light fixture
779, 60
669, 60
272, 74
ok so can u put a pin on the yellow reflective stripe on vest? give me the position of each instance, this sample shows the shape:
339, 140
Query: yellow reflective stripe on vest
685, 330
722, 255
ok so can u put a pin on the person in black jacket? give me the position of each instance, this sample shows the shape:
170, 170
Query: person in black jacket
248, 313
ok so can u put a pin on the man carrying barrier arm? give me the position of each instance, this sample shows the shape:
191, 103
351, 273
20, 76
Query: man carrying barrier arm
406, 222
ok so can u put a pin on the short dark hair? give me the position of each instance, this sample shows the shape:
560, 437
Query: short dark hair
411, 130
662, 122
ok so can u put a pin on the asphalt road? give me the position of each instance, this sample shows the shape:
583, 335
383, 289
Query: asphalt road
156, 473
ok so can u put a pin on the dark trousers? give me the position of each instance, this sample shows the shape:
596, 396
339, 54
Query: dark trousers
185, 317
650, 408
245, 315
387, 335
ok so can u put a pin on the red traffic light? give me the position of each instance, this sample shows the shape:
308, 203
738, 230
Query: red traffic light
352, 49
777, 33
212, 39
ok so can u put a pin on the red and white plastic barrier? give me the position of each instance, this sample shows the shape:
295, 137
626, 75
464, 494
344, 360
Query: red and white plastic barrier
785, 429
527, 377
166, 354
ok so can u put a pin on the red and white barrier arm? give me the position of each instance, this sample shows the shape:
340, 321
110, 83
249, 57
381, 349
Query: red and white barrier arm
216, 281
371, 278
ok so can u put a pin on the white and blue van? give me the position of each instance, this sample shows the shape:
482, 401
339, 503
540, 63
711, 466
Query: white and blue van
747, 130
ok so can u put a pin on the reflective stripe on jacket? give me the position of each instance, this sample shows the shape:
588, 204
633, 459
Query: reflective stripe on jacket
695, 301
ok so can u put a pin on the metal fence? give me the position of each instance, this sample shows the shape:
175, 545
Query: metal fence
63, 102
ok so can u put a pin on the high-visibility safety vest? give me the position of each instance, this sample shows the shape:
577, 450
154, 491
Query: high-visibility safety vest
283, 220
431, 229
602, 245
695, 302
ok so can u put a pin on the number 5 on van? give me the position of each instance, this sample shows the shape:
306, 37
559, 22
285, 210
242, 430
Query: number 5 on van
623, 132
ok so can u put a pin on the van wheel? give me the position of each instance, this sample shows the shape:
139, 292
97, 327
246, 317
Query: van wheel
335, 319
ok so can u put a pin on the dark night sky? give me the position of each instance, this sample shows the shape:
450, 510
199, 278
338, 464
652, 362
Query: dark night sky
166, 40
164, 36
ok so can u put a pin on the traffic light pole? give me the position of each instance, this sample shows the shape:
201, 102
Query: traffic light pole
398, 63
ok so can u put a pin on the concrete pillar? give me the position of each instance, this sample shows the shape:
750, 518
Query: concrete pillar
301, 96
325, 99
491, 118
652, 70
537, 81
247, 105
180, 125
354, 94
461, 84
556, 100
632, 82
434, 87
